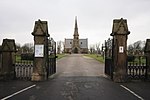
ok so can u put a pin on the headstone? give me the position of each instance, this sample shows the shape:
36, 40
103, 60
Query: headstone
120, 35
41, 35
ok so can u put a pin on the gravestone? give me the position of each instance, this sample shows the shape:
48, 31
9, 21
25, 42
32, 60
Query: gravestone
8, 49
120, 35
41, 35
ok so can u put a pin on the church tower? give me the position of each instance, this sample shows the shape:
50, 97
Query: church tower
75, 46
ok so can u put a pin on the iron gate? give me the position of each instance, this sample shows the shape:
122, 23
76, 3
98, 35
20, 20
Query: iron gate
52, 65
52, 57
109, 58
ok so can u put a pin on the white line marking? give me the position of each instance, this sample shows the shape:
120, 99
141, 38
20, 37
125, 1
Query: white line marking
18, 92
132, 92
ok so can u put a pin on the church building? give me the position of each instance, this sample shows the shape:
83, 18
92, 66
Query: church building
76, 45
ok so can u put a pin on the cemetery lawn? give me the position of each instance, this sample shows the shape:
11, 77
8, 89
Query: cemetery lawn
95, 56
59, 56
18, 58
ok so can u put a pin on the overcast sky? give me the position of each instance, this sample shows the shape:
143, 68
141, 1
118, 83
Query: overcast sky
95, 18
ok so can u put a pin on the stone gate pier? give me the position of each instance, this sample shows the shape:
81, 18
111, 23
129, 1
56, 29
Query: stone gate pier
120, 34
7, 59
147, 53
40, 64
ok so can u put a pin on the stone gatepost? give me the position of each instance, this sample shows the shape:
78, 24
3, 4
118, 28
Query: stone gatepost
147, 53
0, 58
8, 49
41, 35
120, 35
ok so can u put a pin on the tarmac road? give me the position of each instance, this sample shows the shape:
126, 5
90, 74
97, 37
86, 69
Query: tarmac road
78, 78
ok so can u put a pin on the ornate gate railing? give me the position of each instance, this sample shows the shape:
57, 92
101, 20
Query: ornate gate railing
24, 69
52, 65
52, 57
108, 58
24, 66
137, 67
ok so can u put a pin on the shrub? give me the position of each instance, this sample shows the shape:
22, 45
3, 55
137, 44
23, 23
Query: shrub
27, 56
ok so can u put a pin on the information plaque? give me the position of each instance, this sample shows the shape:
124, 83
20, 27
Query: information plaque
39, 51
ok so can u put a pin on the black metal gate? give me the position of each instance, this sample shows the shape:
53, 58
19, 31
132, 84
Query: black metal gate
52, 65
52, 57
109, 58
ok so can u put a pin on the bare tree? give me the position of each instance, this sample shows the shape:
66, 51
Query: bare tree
137, 48
130, 49
59, 46
63, 50
27, 48
18, 48
97, 46
92, 49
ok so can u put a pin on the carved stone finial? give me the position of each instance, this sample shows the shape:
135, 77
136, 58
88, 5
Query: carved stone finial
120, 27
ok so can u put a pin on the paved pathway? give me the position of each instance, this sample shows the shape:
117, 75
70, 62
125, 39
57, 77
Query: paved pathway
79, 65
78, 78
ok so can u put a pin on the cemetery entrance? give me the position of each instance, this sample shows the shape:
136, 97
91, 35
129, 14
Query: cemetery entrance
38, 66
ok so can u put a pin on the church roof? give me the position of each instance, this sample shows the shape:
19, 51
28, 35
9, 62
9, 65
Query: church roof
83, 43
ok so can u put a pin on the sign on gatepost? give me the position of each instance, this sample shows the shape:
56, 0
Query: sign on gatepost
39, 51
121, 49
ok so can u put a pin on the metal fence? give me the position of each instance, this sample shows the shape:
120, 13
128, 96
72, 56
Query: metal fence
137, 68
24, 69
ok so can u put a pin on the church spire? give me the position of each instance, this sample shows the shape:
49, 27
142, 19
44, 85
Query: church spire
76, 25
76, 35
76, 46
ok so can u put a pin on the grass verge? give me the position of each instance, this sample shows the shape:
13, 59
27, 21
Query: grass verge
59, 56
97, 57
